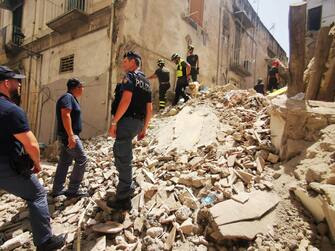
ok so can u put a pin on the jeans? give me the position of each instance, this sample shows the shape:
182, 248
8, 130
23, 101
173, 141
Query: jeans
34, 194
127, 129
66, 158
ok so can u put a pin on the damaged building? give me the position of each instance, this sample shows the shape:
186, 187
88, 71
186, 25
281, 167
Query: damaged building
53, 40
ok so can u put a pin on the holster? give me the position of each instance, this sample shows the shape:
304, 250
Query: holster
21, 163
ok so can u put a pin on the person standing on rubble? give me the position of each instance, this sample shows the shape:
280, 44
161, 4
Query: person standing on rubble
273, 77
69, 126
193, 60
182, 75
16, 177
259, 87
163, 75
132, 111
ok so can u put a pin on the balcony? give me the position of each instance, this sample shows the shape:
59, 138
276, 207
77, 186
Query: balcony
243, 14
12, 39
241, 67
10, 4
68, 15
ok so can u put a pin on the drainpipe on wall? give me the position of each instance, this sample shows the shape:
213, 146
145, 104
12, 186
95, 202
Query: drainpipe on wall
30, 64
110, 84
39, 103
219, 45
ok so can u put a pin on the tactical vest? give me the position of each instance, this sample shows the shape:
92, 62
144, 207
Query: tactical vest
179, 72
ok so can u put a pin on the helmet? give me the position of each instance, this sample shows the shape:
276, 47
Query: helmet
160, 62
174, 56
190, 47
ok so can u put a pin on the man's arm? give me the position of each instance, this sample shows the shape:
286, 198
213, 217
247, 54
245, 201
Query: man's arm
31, 146
123, 106
148, 116
153, 76
67, 123
188, 69
121, 109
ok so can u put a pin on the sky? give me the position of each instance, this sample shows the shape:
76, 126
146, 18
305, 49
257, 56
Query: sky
274, 15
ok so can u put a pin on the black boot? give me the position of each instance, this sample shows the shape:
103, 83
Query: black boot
54, 243
120, 204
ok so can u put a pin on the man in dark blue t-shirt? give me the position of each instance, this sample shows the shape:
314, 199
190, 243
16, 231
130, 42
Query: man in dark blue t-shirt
69, 126
14, 137
131, 110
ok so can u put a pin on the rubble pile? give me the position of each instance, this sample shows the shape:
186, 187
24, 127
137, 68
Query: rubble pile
198, 194
316, 171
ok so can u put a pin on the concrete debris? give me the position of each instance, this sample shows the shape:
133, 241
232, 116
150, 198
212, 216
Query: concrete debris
211, 154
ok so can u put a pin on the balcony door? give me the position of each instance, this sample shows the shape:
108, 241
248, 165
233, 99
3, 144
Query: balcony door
76, 4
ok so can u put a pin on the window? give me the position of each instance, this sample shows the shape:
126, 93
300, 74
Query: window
66, 64
197, 11
314, 18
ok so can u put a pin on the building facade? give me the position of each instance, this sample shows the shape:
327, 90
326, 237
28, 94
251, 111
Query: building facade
320, 13
53, 40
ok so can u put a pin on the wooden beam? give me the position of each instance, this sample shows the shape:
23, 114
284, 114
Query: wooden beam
327, 89
297, 32
320, 56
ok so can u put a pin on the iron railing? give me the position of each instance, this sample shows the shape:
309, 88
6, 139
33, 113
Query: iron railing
12, 35
56, 8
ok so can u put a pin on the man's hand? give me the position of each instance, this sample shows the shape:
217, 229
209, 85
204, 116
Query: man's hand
71, 141
37, 168
141, 134
112, 131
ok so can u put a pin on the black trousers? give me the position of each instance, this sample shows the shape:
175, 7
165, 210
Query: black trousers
163, 88
273, 84
194, 74
180, 90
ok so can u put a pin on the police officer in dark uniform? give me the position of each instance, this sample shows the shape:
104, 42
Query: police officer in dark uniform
182, 75
15, 176
131, 110
193, 60
163, 75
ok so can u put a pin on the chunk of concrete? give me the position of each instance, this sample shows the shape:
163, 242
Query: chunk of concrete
15, 242
231, 211
247, 229
110, 227
312, 204
329, 212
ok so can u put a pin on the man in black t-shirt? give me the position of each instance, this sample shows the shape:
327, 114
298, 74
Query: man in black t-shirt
69, 126
273, 78
193, 60
16, 136
163, 75
131, 110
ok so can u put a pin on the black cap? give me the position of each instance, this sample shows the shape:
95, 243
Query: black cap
73, 83
7, 73
132, 54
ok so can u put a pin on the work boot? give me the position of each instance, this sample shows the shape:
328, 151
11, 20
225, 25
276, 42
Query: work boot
53, 243
56, 194
120, 204
78, 194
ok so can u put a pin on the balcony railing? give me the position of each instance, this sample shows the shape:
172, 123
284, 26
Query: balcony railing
65, 15
241, 67
12, 39
58, 8
10, 4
